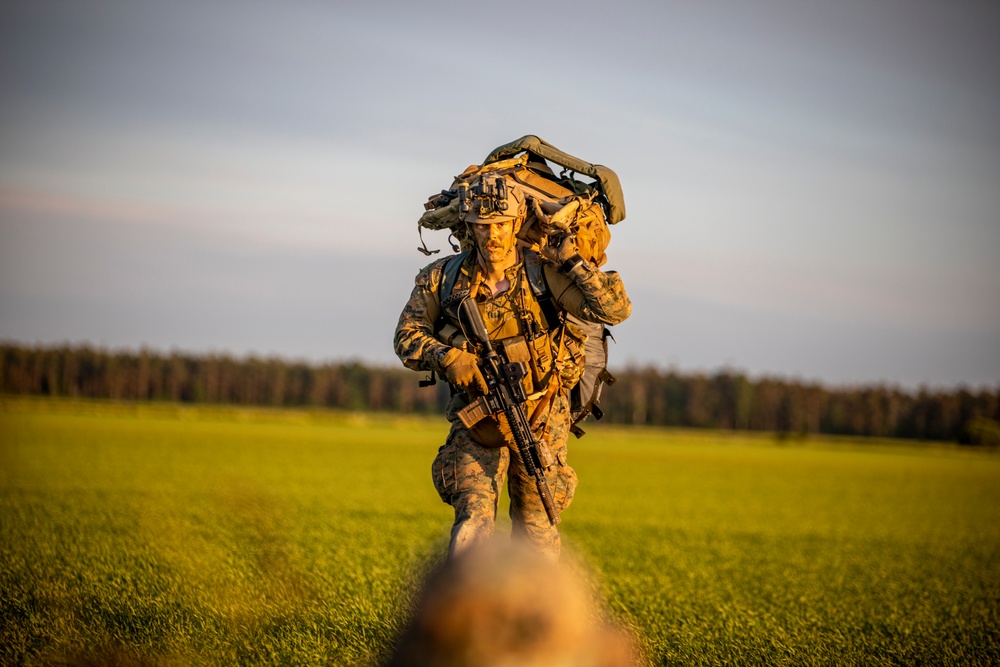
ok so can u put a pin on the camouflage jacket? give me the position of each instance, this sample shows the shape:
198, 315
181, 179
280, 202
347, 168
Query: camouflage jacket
585, 291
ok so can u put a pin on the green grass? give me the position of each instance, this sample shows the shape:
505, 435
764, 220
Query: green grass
159, 534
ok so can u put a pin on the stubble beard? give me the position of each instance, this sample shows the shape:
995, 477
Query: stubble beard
495, 255
494, 251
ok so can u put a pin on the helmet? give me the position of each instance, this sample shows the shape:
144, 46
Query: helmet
491, 200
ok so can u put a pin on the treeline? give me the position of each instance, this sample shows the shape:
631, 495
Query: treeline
87, 372
649, 396
730, 400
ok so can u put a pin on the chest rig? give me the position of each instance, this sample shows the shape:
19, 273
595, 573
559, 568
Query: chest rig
524, 319
560, 348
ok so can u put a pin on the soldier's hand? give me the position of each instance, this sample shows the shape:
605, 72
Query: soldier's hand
566, 249
462, 368
555, 218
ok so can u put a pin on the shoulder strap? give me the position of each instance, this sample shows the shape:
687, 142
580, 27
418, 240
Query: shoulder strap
533, 271
540, 288
449, 275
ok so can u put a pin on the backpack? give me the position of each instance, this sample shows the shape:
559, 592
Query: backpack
561, 203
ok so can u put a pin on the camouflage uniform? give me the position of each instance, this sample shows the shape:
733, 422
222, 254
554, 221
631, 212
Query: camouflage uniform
467, 475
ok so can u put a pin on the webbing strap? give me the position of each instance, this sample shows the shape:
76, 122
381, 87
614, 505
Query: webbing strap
533, 271
449, 275
540, 289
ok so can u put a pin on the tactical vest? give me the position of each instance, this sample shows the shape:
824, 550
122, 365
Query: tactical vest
563, 348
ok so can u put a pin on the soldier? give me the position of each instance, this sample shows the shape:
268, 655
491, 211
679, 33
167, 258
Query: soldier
473, 464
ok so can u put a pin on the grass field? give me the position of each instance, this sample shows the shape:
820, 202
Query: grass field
160, 534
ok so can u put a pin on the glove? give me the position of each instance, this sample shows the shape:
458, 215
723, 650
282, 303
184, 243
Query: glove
566, 251
555, 219
462, 369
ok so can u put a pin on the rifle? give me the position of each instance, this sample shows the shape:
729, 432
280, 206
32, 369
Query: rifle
505, 393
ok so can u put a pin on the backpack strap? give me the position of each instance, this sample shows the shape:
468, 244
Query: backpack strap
449, 275
532, 269
540, 289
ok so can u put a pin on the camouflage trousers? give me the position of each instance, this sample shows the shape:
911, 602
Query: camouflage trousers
469, 477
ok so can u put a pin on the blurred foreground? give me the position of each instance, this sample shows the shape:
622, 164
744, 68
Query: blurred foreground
500, 604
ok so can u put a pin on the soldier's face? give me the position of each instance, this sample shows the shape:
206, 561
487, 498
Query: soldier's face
496, 241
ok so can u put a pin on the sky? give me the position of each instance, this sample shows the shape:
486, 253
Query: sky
812, 189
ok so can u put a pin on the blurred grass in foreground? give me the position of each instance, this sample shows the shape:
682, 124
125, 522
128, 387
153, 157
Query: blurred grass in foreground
163, 534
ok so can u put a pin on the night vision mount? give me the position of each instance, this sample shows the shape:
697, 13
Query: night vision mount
490, 193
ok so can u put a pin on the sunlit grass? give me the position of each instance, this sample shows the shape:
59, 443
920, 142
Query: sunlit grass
744, 551
177, 535
221, 536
